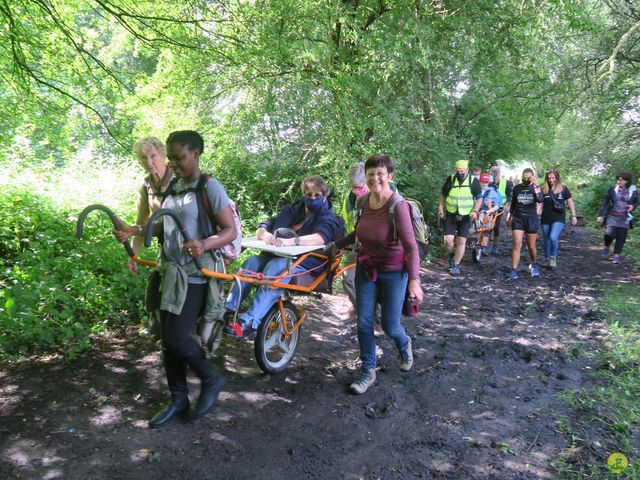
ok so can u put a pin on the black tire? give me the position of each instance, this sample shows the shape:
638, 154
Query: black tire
274, 352
476, 254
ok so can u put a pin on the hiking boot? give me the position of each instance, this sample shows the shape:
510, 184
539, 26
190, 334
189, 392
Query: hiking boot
605, 253
455, 271
495, 250
209, 395
514, 274
405, 359
552, 262
450, 260
363, 381
615, 259
535, 270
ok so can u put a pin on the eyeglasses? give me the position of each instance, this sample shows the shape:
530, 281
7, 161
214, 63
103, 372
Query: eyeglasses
377, 174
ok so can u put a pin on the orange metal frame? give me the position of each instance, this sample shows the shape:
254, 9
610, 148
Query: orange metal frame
277, 282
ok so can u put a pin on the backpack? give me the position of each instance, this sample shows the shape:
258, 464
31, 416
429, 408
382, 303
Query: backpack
420, 228
231, 251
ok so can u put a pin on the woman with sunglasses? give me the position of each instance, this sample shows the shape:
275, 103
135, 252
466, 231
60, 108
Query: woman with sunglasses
555, 198
314, 222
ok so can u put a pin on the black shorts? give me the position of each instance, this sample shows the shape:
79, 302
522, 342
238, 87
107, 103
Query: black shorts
528, 223
457, 225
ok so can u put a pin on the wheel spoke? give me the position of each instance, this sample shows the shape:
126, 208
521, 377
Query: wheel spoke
284, 345
271, 342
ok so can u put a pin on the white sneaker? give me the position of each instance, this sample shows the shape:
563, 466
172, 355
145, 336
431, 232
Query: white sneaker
552, 262
364, 380
405, 359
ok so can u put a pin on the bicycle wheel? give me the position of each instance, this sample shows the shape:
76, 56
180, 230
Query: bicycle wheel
273, 350
476, 253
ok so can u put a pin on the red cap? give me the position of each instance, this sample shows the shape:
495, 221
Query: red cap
485, 178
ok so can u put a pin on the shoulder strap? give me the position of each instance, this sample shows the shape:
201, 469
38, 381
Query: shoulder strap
392, 213
206, 221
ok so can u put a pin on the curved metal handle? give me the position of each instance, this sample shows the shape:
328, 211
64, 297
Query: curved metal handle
112, 217
152, 220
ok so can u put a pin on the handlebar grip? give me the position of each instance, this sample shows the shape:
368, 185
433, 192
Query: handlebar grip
152, 220
112, 217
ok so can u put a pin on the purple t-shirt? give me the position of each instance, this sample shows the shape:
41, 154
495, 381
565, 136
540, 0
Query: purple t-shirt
375, 237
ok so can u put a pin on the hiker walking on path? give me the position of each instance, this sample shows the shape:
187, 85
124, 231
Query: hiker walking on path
150, 152
615, 210
505, 188
556, 196
186, 294
386, 270
523, 219
460, 202
348, 212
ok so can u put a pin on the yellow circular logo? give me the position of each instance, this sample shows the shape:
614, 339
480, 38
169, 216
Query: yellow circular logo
617, 463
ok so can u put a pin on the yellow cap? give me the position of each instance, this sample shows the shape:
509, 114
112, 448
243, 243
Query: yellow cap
462, 164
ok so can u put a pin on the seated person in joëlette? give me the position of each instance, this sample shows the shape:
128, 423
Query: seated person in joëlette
313, 220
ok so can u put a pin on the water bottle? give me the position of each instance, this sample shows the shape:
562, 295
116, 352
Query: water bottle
629, 218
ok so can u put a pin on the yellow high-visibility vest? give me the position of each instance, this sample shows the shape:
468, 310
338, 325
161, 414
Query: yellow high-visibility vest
460, 200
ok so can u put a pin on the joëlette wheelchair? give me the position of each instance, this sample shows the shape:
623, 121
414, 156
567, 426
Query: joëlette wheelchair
278, 334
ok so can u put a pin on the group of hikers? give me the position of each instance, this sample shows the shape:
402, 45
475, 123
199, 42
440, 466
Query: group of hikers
374, 226
468, 200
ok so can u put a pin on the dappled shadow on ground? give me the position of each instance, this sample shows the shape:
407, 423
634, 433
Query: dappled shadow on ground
481, 401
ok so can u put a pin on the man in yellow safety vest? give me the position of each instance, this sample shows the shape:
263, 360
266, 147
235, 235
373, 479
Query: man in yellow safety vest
460, 202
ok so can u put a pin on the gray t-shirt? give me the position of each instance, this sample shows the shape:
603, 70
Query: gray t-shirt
185, 205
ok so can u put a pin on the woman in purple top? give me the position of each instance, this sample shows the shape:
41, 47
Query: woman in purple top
615, 211
383, 269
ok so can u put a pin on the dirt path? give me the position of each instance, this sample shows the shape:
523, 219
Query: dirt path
481, 402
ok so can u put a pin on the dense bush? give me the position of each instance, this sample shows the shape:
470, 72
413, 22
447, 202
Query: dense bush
57, 291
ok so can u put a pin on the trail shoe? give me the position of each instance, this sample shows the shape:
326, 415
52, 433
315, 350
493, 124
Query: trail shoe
615, 259
495, 250
450, 260
514, 274
535, 270
405, 359
552, 262
605, 253
455, 271
240, 331
364, 380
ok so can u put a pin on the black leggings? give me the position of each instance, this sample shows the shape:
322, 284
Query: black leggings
619, 234
178, 331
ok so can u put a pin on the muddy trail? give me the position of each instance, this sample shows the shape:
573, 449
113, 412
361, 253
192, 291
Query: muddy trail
481, 402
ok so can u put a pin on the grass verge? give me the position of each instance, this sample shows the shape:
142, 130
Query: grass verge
610, 408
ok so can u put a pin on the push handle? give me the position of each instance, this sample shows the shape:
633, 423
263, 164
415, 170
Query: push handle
152, 220
112, 216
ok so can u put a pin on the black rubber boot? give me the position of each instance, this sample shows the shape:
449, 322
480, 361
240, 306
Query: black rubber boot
176, 371
212, 382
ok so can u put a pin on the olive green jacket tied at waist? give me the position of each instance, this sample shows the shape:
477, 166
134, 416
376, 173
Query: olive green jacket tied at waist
175, 281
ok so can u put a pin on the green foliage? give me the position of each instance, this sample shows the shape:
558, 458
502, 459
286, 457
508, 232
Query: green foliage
57, 291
